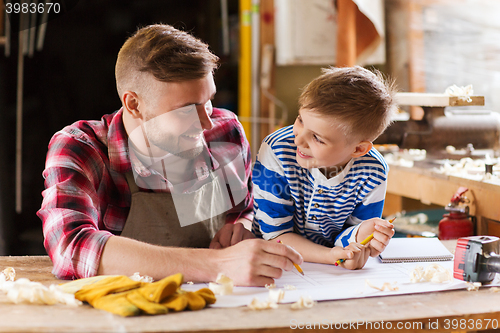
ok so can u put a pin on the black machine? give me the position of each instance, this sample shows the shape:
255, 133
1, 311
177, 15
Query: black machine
477, 259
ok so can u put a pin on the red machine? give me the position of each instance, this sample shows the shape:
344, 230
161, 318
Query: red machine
457, 223
477, 259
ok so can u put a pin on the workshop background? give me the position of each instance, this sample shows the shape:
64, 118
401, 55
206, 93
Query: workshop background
269, 50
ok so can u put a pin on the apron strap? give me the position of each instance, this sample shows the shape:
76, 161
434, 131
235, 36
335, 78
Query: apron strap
131, 182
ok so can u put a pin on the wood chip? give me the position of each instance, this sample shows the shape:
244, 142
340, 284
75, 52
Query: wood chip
473, 286
386, 285
434, 273
223, 285
141, 278
259, 305
304, 302
276, 295
8, 274
26, 291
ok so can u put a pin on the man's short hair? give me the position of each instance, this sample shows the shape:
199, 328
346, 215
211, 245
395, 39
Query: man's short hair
361, 101
166, 53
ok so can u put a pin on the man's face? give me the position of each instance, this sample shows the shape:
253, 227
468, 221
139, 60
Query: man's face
175, 120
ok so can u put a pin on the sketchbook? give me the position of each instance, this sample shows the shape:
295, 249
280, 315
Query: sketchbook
415, 250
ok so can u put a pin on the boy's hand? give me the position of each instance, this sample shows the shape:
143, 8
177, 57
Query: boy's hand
382, 233
231, 234
355, 255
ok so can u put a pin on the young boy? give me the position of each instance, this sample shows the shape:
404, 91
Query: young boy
319, 185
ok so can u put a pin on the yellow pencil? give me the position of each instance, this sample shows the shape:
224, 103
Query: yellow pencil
364, 242
296, 266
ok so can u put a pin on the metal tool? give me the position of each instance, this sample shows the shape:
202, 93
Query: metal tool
477, 259
439, 129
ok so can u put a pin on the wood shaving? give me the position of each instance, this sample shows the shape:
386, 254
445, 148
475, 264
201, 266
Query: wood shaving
450, 149
473, 286
276, 295
8, 274
270, 286
463, 93
468, 167
386, 285
223, 285
494, 290
190, 282
255, 304
139, 278
434, 273
304, 302
290, 287
26, 291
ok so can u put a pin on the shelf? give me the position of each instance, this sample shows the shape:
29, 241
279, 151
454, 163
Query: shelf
437, 100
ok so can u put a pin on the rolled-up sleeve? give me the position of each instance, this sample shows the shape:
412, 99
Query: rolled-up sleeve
70, 210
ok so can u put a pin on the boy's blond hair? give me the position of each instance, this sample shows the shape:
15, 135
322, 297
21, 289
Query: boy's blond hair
361, 101
162, 52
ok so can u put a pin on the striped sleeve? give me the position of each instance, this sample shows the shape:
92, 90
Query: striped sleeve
273, 204
373, 191
347, 236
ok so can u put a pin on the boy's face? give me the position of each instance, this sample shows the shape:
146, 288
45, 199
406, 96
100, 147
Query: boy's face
320, 143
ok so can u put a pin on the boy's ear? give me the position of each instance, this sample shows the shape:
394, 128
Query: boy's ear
130, 102
362, 148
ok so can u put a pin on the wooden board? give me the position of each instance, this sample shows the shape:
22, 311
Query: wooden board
436, 100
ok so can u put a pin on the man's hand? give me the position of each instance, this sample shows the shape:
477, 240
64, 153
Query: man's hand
256, 262
355, 255
382, 233
231, 234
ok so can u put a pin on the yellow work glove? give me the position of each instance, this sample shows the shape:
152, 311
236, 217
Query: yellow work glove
148, 297
125, 297
192, 300
111, 285
118, 304
158, 291
151, 308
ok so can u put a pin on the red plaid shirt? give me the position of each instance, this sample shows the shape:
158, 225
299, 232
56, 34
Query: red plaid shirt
87, 199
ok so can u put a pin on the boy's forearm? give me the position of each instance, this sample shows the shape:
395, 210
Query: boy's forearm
309, 250
363, 232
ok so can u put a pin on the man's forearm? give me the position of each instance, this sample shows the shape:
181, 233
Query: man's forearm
125, 256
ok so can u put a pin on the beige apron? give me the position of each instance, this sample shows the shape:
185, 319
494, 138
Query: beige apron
153, 219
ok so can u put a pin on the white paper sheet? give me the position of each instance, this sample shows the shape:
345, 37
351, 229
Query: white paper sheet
328, 282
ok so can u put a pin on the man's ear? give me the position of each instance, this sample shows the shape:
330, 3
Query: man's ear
130, 102
362, 148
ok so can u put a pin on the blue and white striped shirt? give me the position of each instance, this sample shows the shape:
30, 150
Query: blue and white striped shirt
289, 198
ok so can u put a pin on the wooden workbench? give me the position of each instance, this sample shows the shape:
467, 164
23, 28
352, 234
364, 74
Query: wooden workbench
422, 312
431, 187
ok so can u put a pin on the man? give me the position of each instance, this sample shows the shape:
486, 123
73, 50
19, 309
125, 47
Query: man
146, 188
